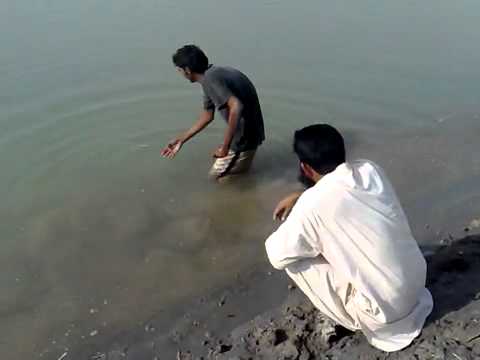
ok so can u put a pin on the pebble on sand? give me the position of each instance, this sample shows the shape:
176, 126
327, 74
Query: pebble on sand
149, 328
222, 301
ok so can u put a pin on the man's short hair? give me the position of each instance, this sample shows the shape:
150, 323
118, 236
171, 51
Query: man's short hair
191, 56
321, 146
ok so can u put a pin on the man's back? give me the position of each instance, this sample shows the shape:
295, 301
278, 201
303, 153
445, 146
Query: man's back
353, 220
218, 85
366, 237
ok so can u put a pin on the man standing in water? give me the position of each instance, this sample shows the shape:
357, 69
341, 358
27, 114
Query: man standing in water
348, 246
234, 96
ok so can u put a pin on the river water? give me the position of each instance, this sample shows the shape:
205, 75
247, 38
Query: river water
98, 233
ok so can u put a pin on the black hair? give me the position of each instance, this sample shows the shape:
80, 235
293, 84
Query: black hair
321, 146
191, 56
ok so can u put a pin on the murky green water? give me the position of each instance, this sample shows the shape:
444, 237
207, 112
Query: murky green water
98, 232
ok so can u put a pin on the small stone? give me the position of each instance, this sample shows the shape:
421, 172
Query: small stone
195, 323
98, 356
466, 229
231, 315
291, 287
269, 273
224, 348
222, 301
446, 242
94, 333
208, 334
149, 328
105, 302
205, 342
93, 311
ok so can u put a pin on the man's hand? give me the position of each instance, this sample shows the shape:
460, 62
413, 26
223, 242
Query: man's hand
172, 148
221, 152
285, 206
205, 118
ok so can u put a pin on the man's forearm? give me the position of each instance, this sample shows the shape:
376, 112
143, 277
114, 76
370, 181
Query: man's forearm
232, 126
205, 118
234, 112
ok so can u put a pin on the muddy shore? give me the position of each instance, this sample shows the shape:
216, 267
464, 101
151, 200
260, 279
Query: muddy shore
227, 324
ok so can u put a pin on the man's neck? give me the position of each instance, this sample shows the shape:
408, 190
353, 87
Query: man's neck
199, 77
317, 177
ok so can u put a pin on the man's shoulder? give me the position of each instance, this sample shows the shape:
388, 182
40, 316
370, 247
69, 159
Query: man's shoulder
313, 199
216, 71
364, 162
308, 201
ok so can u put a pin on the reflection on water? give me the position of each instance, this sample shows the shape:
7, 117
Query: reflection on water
98, 233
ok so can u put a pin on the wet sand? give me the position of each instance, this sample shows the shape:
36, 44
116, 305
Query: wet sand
263, 316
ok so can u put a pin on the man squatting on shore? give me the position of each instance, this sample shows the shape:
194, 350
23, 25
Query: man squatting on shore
348, 246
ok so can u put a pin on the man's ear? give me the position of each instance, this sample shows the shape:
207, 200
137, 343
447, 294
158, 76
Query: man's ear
187, 71
307, 170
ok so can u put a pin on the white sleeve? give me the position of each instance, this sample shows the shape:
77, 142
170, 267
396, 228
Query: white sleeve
295, 239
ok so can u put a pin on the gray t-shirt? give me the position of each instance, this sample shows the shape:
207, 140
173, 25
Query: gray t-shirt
219, 84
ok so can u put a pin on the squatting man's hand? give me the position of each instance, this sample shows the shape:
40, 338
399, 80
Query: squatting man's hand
285, 206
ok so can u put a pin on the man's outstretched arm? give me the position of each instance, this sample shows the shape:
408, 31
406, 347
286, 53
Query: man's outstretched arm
205, 118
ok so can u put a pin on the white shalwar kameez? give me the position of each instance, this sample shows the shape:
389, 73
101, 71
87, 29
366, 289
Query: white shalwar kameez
348, 246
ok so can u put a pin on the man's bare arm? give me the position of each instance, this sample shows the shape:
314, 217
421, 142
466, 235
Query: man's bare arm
285, 206
235, 108
205, 118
